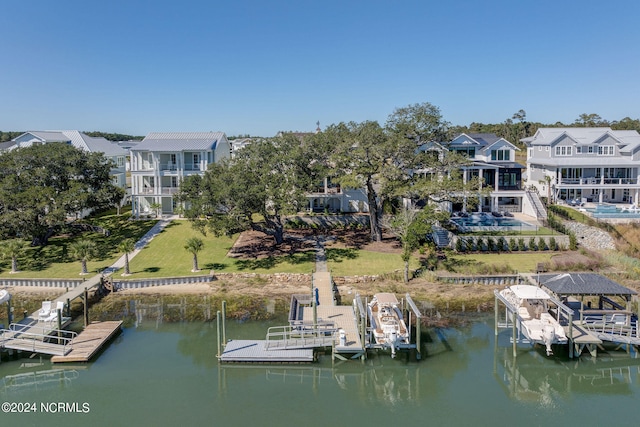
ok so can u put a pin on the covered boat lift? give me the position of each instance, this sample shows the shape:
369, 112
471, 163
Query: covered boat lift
612, 319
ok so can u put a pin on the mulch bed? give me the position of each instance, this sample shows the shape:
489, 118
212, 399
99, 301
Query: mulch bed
257, 245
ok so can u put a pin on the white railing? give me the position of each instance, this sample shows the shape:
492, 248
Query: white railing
598, 181
37, 336
303, 336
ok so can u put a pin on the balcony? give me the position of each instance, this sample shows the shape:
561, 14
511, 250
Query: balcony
168, 167
160, 191
594, 181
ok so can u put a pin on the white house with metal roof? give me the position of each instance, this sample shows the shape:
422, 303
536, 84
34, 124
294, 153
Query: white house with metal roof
595, 164
162, 160
111, 150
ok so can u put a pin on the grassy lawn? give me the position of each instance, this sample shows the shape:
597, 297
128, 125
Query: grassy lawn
54, 261
505, 262
353, 262
165, 256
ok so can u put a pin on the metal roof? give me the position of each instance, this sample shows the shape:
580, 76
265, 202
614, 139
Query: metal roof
583, 284
180, 141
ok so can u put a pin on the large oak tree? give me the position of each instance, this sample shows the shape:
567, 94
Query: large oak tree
43, 185
256, 189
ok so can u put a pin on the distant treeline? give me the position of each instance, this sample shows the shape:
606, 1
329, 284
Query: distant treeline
517, 127
512, 129
8, 136
113, 136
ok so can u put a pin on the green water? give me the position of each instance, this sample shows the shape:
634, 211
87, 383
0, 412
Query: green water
167, 375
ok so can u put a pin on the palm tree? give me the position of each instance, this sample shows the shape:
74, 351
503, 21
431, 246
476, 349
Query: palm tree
156, 208
12, 249
83, 250
194, 245
127, 246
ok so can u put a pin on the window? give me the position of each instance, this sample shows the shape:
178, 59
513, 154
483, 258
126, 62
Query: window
590, 150
564, 151
500, 155
605, 150
539, 147
578, 150
546, 148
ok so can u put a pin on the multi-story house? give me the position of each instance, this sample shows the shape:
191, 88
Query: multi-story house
331, 197
492, 159
585, 164
111, 150
162, 160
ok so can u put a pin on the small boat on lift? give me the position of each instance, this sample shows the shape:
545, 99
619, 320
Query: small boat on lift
387, 324
537, 324
4, 296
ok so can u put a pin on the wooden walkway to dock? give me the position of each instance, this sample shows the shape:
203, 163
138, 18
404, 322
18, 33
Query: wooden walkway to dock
343, 316
89, 342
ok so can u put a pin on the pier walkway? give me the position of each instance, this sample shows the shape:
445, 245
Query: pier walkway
319, 328
34, 335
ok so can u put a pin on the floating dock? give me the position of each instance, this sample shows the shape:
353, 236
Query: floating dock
256, 351
89, 342
316, 321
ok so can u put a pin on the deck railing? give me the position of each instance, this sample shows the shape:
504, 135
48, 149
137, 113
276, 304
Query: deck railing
37, 335
301, 336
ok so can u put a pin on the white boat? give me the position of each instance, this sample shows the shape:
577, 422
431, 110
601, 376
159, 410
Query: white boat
387, 324
4, 296
536, 323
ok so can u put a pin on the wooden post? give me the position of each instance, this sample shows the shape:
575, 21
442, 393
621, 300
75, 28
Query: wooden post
9, 314
419, 336
514, 316
86, 307
224, 323
495, 313
218, 335
68, 307
570, 334
59, 312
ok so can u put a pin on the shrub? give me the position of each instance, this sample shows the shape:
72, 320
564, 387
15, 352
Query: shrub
491, 244
469, 244
573, 242
460, 246
502, 244
532, 244
521, 245
552, 244
513, 246
541, 244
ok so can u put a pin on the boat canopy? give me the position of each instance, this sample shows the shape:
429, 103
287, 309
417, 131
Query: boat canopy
529, 292
386, 298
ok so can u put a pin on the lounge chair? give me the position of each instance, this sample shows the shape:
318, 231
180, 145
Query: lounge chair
53, 316
45, 311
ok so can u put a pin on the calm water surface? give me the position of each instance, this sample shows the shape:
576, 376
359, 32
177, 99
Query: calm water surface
166, 375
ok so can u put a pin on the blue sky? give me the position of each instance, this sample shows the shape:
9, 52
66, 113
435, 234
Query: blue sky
257, 67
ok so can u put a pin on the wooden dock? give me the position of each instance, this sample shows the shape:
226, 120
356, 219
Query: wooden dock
582, 339
343, 316
89, 342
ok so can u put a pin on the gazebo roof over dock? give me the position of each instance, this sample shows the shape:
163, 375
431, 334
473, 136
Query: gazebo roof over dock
584, 284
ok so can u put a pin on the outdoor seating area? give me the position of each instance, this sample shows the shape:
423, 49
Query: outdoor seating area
49, 313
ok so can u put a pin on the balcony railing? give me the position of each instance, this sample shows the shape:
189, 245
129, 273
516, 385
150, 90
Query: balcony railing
598, 181
163, 190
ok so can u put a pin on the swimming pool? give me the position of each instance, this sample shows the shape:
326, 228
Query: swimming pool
480, 222
613, 211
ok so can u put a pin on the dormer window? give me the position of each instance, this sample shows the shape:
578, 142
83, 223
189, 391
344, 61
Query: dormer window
605, 150
564, 151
